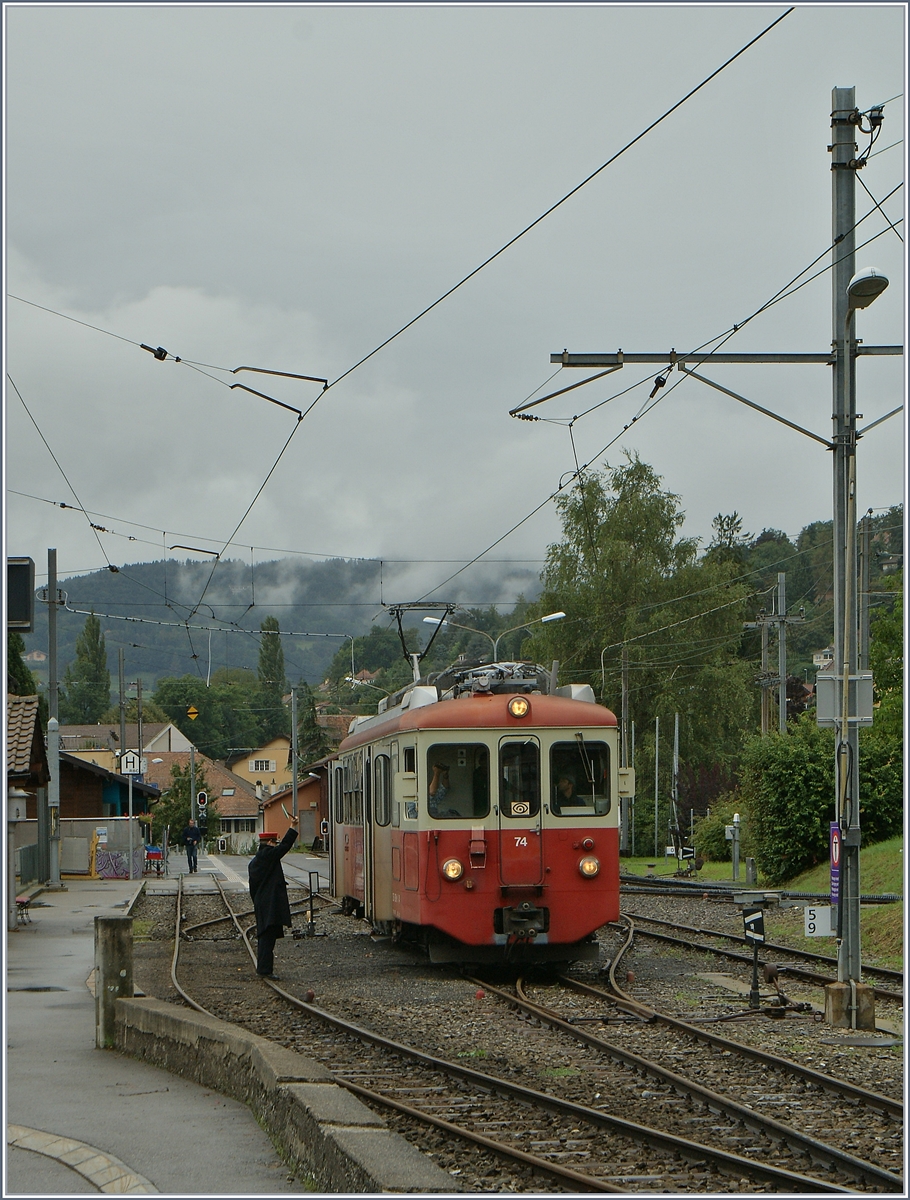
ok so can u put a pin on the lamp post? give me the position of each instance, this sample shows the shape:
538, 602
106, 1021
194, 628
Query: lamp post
556, 616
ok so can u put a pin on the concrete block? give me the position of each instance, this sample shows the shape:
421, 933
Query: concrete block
392, 1163
274, 1065
838, 999
330, 1104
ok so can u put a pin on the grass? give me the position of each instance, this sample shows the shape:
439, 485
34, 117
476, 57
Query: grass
881, 870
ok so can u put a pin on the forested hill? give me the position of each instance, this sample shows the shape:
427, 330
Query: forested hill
338, 596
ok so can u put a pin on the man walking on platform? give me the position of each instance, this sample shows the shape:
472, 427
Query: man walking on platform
269, 894
192, 836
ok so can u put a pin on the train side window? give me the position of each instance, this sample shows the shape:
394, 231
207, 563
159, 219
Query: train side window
580, 779
519, 779
410, 760
458, 781
382, 789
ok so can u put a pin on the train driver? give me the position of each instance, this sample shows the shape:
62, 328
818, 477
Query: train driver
438, 789
565, 793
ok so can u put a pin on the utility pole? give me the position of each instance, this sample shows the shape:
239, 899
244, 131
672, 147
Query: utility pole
844, 120
123, 745
625, 801
849, 292
53, 735
766, 680
294, 745
782, 651
140, 748
865, 551
656, 779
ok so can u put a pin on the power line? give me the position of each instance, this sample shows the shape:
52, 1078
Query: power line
567, 196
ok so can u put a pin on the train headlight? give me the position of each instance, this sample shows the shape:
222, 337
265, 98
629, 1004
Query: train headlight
519, 706
589, 866
452, 868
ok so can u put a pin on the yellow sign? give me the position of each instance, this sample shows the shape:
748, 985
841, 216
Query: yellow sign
192, 712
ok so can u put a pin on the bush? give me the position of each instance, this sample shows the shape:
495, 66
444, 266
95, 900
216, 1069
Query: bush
788, 785
710, 836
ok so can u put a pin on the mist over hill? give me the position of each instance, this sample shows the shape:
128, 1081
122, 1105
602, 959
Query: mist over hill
143, 608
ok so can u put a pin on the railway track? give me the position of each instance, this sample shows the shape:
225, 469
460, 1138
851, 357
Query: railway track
886, 974
545, 1136
791, 969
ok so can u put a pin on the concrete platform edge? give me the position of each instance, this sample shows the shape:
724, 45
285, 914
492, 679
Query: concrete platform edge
323, 1131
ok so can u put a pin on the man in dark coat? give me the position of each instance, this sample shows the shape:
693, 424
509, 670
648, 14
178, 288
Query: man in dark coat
192, 836
269, 894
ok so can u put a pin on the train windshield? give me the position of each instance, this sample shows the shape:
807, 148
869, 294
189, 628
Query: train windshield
459, 781
579, 778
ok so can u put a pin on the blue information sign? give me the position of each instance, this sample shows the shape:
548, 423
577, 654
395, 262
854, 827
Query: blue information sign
835, 862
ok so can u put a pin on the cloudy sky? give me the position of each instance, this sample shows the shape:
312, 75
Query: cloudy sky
287, 186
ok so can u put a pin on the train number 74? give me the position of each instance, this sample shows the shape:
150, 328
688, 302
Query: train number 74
520, 841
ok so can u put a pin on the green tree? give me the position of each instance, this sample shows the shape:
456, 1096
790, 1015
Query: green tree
19, 679
729, 543
225, 719
150, 712
273, 684
172, 811
312, 741
626, 578
86, 692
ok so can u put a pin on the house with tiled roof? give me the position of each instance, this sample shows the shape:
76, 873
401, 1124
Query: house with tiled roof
100, 743
266, 768
26, 756
236, 801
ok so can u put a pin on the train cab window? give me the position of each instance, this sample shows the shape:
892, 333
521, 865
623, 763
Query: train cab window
382, 789
458, 781
519, 779
579, 778
410, 760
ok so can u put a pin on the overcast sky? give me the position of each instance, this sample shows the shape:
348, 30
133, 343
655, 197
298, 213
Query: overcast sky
286, 186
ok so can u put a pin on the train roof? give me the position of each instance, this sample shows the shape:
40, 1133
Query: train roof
477, 697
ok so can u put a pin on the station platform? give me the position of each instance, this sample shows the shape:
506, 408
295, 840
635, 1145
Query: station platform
83, 1120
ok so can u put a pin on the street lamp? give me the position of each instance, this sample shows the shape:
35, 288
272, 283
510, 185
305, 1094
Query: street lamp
556, 616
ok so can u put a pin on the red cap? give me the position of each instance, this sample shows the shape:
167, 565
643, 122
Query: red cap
265, 835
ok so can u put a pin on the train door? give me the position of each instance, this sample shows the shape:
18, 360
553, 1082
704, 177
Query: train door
336, 844
367, 833
381, 837
520, 848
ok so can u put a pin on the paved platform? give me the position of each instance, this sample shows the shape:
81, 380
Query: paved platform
86, 1120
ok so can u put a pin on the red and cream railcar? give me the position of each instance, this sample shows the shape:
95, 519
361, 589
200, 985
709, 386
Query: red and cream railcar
478, 815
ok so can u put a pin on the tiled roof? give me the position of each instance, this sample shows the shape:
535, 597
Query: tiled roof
242, 803
21, 717
107, 736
